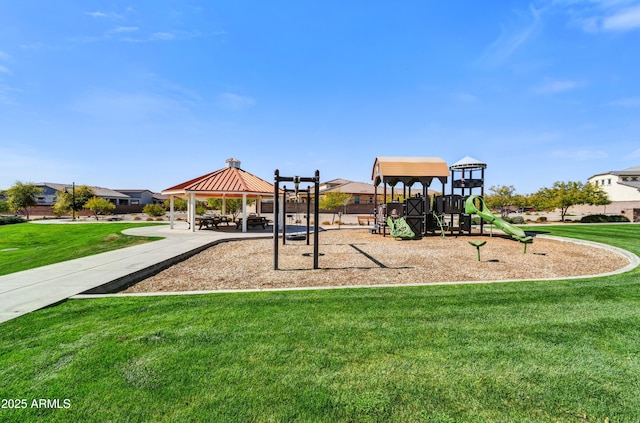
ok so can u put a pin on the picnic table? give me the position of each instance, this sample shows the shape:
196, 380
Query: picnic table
254, 221
213, 221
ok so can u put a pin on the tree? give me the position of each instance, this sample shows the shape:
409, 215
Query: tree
501, 198
72, 199
21, 196
4, 206
154, 210
179, 204
233, 206
333, 201
566, 194
99, 206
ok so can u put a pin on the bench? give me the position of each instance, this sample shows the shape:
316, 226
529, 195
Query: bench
254, 221
365, 220
214, 221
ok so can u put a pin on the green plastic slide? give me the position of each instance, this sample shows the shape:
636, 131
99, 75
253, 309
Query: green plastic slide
400, 228
475, 204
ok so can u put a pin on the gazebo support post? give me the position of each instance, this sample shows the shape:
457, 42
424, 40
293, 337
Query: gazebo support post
171, 210
244, 212
192, 211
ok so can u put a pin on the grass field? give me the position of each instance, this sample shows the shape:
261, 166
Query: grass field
566, 351
33, 245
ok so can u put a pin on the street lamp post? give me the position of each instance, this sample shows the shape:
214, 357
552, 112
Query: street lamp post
73, 201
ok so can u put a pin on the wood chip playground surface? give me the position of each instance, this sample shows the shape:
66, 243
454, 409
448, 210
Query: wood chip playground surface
355, 257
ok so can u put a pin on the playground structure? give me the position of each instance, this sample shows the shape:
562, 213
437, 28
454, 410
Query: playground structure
426, 214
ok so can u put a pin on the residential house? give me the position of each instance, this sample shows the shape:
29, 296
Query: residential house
621, 185
142, 196
623, 188
50, 192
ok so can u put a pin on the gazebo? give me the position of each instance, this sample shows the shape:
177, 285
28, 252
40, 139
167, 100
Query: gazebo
228, 182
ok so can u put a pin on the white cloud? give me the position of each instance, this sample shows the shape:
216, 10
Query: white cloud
634, 155
556, 86
512, 38
125, 29
163, 36
579, 155
107, 15
6, 94
4, 69
602, 15
624, 20
235, 101
4, 56
625, 102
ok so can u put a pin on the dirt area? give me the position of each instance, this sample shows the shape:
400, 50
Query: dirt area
355, 257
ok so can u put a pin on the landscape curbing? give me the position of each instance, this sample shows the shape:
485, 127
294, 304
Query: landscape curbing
634, 261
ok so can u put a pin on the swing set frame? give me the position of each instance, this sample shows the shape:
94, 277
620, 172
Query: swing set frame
276, 211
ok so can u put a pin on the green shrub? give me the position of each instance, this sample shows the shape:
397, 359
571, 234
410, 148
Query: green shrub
10, 220
603, 218
541, 219
154, 210
517, 220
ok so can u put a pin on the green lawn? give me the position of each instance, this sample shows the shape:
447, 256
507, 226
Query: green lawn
566, 351
41, 244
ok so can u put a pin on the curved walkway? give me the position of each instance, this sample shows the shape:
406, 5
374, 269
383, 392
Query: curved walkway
30, 290
33, 289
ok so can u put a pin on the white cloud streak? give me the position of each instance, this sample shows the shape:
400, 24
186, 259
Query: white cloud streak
235, 101
104, 15
556, 86
512, 38
625, 102
595, 16
624, 20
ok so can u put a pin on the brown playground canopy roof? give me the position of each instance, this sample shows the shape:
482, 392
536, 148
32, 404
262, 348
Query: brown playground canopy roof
409, 170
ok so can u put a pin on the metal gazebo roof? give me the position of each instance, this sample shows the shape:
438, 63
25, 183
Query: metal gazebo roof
230, 181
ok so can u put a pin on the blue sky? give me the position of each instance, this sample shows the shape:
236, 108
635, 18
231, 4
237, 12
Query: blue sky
148, 94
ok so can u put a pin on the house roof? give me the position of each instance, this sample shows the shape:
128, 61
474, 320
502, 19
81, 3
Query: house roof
351, 187
134, 191
230, 181
98, 191
409, 170
630, 171
336, 182
362, 188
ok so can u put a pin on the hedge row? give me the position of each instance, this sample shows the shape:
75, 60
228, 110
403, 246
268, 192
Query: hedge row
10, 220
602, 218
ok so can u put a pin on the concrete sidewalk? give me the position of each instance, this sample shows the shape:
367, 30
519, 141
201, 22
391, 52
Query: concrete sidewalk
33, 289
